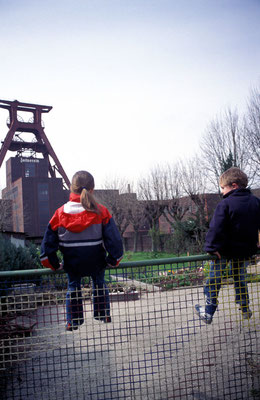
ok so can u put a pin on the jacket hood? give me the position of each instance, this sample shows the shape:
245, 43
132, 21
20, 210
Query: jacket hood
78, 222
73, 217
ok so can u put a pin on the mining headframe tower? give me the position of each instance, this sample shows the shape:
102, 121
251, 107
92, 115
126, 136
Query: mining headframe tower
31, 175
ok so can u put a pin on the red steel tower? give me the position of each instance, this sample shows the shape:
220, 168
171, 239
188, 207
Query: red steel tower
31, 180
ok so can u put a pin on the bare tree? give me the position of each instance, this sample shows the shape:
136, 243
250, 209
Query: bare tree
174, 210
151, 191
252, 127
194, 182
137, 218
116, 197
224, 145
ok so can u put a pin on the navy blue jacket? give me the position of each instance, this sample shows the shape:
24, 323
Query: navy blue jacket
87, 240
233, 230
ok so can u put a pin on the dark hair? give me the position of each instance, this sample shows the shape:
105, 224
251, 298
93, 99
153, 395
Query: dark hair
82, 183
234, 175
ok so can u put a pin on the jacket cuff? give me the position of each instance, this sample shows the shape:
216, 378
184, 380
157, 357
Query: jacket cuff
112, 261
46, 263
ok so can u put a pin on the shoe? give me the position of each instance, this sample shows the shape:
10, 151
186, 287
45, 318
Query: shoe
69, 327
246, 314
200, 311
106, 320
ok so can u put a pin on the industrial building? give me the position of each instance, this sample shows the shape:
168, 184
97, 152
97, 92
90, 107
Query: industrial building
31, 181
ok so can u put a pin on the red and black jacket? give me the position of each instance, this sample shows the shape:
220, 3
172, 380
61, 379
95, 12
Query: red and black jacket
87, 240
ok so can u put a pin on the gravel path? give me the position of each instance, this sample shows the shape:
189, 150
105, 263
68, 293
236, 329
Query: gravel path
155, 348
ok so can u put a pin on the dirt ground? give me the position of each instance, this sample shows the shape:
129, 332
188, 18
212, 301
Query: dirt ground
155, 348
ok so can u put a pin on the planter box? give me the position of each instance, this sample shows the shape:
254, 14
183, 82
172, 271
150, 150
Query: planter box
23, 288
124, 296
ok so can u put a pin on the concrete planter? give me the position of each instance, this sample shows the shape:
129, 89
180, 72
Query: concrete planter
124, 296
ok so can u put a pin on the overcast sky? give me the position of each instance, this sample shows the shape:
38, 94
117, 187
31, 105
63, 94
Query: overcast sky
132, 83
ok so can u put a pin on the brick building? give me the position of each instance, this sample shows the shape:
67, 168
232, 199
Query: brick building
6, 215
34, 195
187, 208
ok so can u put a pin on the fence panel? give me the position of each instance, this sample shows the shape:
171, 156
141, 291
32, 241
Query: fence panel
156, 347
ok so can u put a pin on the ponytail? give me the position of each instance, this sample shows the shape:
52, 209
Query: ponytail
83, 183
88, 201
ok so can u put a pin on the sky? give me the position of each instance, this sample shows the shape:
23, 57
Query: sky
132, 83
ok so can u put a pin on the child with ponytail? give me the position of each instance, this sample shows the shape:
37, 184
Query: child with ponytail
89, 240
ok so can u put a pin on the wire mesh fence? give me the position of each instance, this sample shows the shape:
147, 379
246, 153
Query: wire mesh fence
155, 346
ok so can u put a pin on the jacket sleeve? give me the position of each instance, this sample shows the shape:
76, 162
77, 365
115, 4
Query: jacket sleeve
216, 235
49, 247
112, 242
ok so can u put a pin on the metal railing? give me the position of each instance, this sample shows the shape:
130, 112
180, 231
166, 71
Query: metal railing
156, 347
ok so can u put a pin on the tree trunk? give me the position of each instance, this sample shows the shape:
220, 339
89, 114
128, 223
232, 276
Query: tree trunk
135, 241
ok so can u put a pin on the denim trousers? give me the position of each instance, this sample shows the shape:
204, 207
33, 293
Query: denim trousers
74, 306
237, 269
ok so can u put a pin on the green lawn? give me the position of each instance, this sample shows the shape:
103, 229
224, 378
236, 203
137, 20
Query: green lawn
142, 272
145, 255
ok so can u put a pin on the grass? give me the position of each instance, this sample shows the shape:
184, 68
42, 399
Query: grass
253, 278
153, 274
140, 256
145, 255
182, 274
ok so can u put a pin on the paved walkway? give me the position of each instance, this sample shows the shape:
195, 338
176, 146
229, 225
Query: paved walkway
155, 348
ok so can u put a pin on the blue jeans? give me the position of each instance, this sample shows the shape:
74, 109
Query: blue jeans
213, 284
74, 306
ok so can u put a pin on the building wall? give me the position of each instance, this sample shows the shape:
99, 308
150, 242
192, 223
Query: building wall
144, 242
35, 196
14, 192
22, 167
41, 197
16, 238
6, 215
17, 242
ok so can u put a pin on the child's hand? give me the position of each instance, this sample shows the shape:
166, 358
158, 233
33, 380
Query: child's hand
217, 254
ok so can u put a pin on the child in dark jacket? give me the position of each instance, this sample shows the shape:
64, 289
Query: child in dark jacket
232, 237
89, 240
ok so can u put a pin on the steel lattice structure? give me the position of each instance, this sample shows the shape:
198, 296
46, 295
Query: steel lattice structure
41, 144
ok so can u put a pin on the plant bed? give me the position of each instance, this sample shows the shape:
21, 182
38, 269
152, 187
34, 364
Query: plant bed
168, 280
118, 292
